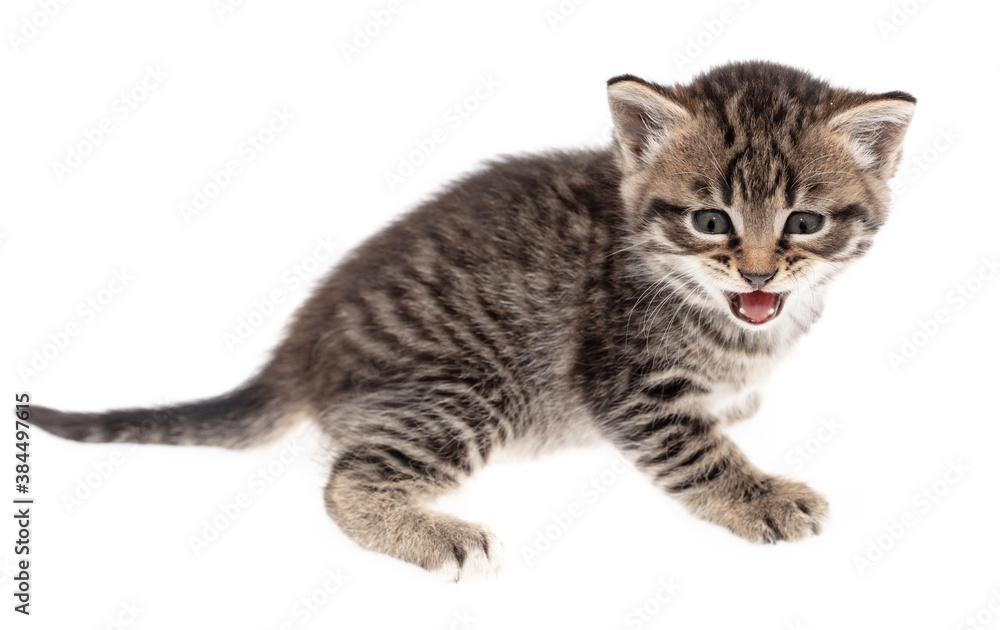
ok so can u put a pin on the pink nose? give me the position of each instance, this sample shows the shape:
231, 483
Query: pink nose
758, 280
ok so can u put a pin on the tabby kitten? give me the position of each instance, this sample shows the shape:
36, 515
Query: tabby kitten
637, 294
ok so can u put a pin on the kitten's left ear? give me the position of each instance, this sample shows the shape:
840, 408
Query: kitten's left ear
874, 130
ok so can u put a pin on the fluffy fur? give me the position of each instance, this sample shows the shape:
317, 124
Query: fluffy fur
553, 298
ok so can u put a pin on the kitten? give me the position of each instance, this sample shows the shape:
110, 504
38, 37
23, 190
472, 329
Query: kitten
637, 294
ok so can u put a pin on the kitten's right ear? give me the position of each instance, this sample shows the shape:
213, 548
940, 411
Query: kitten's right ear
643, 117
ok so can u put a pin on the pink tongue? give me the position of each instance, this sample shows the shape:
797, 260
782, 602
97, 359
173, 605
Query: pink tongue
758, 306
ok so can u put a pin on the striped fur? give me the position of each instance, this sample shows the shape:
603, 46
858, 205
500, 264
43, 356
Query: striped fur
564, 297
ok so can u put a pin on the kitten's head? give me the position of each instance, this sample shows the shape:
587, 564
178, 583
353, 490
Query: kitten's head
755, 183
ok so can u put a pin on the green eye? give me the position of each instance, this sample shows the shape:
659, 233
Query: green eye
803, 223
712, 221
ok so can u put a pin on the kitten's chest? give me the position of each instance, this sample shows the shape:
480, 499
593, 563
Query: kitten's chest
733, 394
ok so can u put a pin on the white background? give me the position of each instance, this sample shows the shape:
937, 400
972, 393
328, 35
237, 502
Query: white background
161, 338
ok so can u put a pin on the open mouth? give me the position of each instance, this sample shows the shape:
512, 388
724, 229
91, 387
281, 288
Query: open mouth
757, 307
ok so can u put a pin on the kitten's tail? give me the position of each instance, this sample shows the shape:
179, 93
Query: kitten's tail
247, 416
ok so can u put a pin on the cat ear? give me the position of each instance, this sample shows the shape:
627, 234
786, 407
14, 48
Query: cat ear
874, 130
643, 117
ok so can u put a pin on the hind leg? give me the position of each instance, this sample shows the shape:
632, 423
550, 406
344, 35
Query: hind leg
409, 454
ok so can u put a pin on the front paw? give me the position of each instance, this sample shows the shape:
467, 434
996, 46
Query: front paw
774, 509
